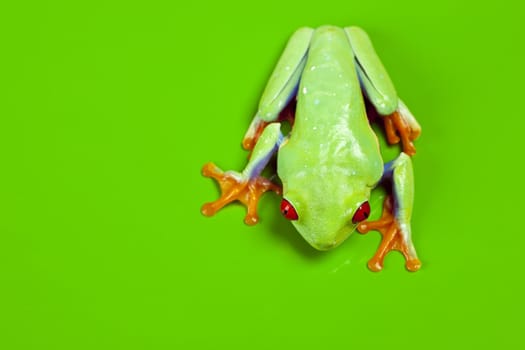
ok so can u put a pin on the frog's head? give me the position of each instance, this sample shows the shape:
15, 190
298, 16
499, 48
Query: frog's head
325, 217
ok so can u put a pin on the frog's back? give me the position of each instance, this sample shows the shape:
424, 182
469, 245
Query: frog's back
331, 134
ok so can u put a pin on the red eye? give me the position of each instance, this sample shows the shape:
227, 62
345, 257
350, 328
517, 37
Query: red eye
288, 210
362, 213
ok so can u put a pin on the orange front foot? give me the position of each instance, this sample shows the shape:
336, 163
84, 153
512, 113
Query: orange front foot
392, 239
398, 129
234, 187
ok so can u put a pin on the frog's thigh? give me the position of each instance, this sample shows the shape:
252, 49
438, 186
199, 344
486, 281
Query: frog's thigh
372, 74
282, 85
402, 176
283, 82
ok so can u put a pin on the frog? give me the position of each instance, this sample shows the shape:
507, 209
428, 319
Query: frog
330, 160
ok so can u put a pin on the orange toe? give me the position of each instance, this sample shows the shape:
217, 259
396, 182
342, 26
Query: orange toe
392, 239
397, 129
235, 188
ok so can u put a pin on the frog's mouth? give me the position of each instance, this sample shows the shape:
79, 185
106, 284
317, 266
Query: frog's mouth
325, 242
325, 246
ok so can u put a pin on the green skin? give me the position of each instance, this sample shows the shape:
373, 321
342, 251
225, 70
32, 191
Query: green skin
330, 161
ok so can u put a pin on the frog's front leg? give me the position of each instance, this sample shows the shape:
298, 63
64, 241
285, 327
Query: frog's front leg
400, 124
394, 224
263, 136
247, 186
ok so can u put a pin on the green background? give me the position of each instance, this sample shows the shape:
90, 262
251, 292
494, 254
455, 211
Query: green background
108, 111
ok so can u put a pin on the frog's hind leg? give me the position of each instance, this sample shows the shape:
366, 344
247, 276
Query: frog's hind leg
394, 224
246, 187
281, 89
263, 136
400, 124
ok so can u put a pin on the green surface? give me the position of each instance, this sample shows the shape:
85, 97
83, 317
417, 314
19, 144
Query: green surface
109, 110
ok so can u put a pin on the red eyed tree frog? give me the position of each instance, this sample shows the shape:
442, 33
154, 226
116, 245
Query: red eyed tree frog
330, 160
